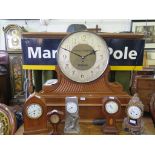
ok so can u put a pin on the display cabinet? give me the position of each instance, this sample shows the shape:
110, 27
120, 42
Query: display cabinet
145, 89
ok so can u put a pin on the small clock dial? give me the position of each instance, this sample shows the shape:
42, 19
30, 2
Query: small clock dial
111, 107
34, 111
134, 112
71, 107
4, 124
54, 118
83, 56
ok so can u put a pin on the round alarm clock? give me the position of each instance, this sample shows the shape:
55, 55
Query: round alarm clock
83, 56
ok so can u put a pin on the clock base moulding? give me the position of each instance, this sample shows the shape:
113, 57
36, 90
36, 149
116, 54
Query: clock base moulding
110, 130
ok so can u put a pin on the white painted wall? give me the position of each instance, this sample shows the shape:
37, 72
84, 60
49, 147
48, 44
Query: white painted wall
61, 25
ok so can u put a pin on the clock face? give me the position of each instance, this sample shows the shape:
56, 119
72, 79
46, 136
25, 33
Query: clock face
34, 111
55, 118
83, 56
4, 123
71, 107
134, 112
111, 107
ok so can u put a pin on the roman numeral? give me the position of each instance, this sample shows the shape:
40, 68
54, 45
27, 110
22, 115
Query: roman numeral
66, 66
82, 76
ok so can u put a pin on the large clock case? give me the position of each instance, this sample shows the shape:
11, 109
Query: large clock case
90, 95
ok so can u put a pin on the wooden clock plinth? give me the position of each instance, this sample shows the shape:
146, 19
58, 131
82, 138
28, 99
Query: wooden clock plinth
110, 127
89, 95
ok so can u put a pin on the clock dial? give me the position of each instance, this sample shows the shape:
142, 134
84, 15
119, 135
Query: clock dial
111, 107
34, 111
134, 112
71, 107
4, 123
55, 118
83, 56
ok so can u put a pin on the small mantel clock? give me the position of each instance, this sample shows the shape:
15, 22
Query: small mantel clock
111, 110
133, 122
72, 116
54, 117
35, 115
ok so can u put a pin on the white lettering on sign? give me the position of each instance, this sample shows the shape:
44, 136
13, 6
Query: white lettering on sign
34, 54
118, 54
38, 53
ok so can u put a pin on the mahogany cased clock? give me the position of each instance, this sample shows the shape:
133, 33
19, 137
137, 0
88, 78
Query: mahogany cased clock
35, 111
83, 56
54, 118
111, 110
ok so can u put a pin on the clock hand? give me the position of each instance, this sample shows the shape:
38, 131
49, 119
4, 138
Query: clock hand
93, 52
72, 52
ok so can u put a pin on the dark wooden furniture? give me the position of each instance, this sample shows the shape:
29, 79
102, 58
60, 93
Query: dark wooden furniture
5, 93
145, 88
12, 34
145, 73
152, 108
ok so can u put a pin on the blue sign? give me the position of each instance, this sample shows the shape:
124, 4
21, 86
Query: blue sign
123, 52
